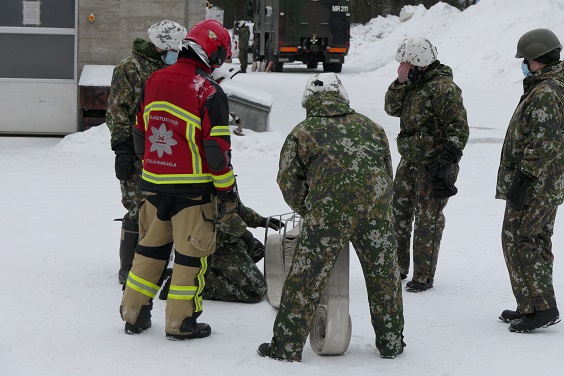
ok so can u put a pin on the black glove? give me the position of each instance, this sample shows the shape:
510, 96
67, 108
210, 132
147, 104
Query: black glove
273, 223
249, 240
443, 188
124, 166
517, 191
227, 204
445, 165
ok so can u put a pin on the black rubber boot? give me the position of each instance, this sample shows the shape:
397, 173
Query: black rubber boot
509, 315
413, 286
536, 320
129, 239
143, 321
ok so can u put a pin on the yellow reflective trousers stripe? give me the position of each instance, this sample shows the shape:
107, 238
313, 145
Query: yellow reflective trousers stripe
191, 292
141, 285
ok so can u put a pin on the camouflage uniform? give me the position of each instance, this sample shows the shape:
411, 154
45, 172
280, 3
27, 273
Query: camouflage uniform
432, 114
335, 171
128, 80
534, 145
244, 35
232, 275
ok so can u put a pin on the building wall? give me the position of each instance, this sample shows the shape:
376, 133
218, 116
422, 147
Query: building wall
117, 23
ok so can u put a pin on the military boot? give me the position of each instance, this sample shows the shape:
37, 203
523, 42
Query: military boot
509, 315
129, 239
535, 320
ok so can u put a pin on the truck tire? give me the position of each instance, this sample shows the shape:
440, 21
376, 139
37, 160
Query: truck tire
332, 67
277, 67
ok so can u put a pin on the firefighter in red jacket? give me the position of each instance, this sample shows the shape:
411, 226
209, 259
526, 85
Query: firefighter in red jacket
183, 138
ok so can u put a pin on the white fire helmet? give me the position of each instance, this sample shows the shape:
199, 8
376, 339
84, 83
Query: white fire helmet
167, 35
416, 51
323, 82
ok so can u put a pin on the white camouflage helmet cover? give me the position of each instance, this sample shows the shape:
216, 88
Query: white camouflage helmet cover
323, 82
416, 51
167, 35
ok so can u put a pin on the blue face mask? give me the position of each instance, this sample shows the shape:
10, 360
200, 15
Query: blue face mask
170, 57
525, 69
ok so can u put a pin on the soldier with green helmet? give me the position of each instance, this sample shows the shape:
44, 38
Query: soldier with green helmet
433, 132
335, 171
242, 30
128, 79
531, 180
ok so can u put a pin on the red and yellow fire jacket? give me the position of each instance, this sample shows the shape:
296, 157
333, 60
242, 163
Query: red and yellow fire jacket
181, 132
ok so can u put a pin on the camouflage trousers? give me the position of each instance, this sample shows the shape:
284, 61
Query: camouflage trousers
233, 276
414, 206
527, 249
243, 58
131, 196
315, 255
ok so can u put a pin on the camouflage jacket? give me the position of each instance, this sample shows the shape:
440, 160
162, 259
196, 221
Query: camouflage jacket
431, 114
335, 164
231, 230
244, 35
534, 139
128, 80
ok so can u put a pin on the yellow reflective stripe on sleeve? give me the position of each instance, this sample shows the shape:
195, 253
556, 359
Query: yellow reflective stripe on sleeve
225, 180
182, 292
220, 130
201, 284
176, 178
142, 285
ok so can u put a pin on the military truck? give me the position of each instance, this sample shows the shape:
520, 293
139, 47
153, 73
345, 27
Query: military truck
310, 31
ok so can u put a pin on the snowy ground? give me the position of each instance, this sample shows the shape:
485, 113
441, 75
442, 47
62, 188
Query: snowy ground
59, 242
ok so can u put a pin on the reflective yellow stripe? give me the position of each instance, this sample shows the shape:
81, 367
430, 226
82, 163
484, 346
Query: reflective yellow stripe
176, 178
201, 284
142, 285
225, 180
182, 292
173, 110
220, 130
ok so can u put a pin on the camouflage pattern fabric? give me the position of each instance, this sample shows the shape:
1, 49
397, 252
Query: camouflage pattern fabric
128, 79
335, 171
534, 144
244, 35
232, 275
432, 114
413, 202
527, 249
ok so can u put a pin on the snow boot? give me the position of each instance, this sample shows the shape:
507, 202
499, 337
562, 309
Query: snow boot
535, 320
197, 330
265, 351
143, 321
509, 315
128, 244
413, 286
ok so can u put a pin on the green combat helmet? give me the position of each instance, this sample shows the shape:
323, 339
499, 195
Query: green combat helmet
536, 43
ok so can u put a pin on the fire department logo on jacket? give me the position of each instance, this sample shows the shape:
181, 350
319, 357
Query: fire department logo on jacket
162, 140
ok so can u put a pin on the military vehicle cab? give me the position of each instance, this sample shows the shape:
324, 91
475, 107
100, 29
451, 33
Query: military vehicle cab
310, 31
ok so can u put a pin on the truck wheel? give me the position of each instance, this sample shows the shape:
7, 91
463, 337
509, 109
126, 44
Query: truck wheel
332, 67
312, 65
277, 67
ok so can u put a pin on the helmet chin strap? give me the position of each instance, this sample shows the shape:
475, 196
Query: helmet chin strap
199, 51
